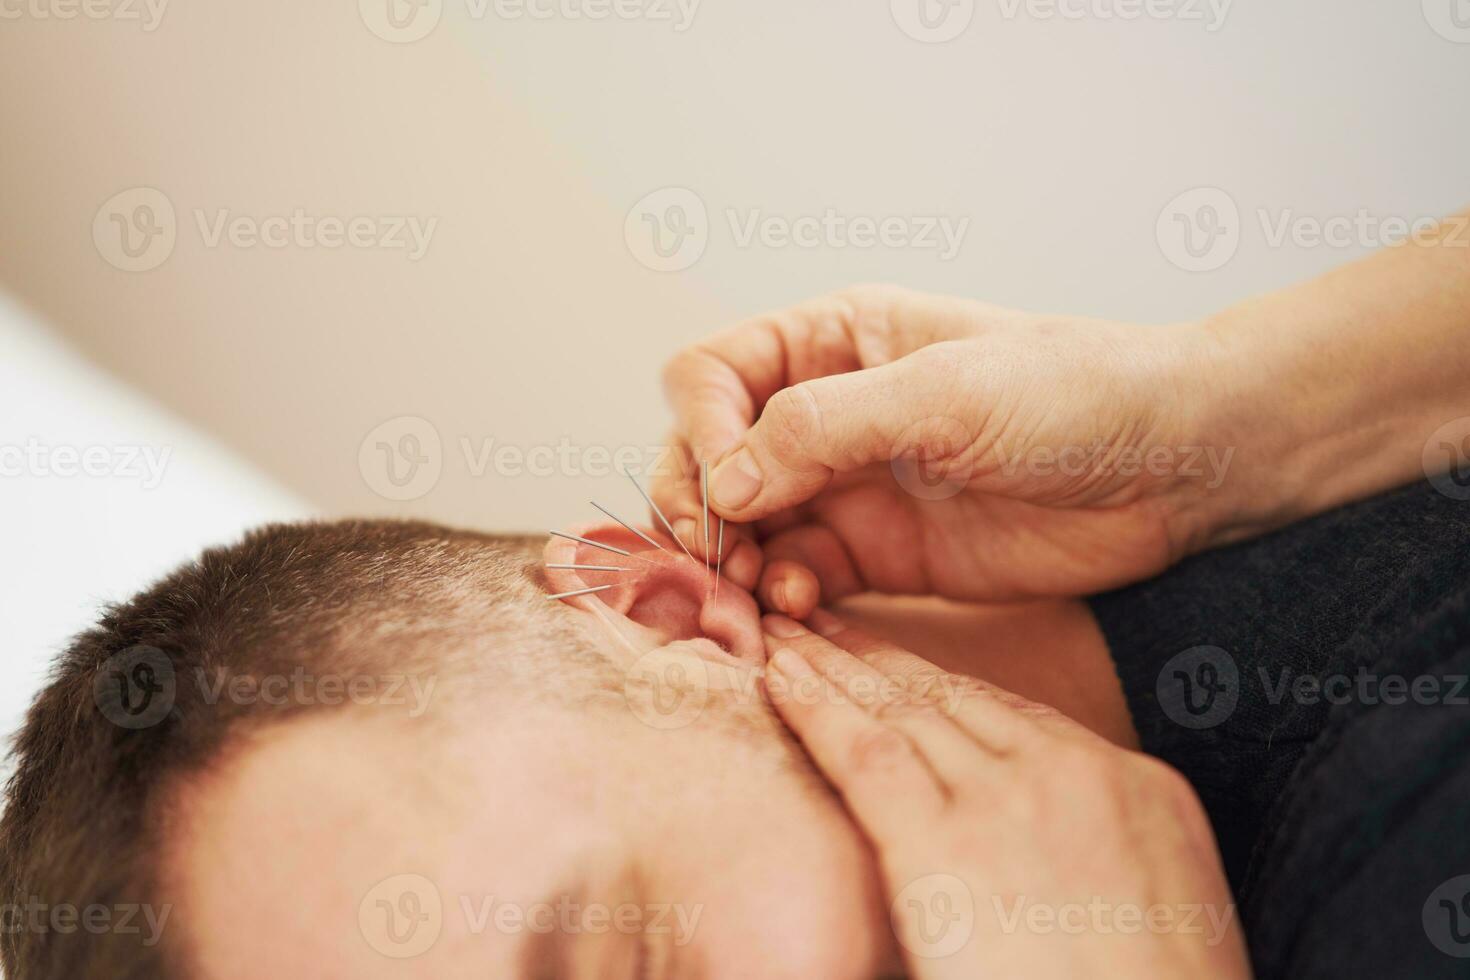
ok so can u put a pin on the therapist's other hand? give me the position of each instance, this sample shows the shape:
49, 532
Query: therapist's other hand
899, 442
1012, 841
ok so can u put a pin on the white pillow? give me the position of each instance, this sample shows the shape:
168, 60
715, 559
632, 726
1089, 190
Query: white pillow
101, 492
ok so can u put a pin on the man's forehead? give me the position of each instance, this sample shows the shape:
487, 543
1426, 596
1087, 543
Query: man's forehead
300, 823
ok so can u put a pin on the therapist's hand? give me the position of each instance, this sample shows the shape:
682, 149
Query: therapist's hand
894, 441
1012, 842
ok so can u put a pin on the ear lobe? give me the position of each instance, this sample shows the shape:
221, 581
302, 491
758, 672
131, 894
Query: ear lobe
662, 590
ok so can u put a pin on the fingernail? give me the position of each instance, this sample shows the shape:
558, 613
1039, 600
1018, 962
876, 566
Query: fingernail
736, 481
778, 596
782, 627
787, 661
824, 623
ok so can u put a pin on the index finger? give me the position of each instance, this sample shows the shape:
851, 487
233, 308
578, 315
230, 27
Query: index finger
876, 768
718, 386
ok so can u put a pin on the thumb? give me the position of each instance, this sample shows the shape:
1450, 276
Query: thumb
809, 432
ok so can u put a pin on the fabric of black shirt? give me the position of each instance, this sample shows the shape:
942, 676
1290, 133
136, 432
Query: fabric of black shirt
1312, 685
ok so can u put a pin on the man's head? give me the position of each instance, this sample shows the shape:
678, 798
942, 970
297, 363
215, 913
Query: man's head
375, 749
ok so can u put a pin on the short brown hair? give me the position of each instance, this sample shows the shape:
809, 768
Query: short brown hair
82, 827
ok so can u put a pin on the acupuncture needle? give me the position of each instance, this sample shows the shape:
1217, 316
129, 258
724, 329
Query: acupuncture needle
568, 595
627, 525
719, 558
704, 479
590, 568
642, 493
599, 544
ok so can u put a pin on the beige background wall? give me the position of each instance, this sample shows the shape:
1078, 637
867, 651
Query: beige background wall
530, 318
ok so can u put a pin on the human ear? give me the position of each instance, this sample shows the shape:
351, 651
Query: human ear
659, 587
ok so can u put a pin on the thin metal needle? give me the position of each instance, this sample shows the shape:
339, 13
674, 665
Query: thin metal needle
590, 568
627, 525
598, 544
642, 493
719, 558
704, 479
567, 595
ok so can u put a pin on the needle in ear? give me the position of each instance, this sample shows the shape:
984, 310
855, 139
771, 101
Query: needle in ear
669, 527
599, 544
590, 568
719, 558
627, 525
704, 480
568, 595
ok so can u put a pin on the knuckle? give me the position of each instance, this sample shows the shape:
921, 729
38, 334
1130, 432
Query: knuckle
1168, 783
865, 309
792, 421
936, 688
890, 709
877, 750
